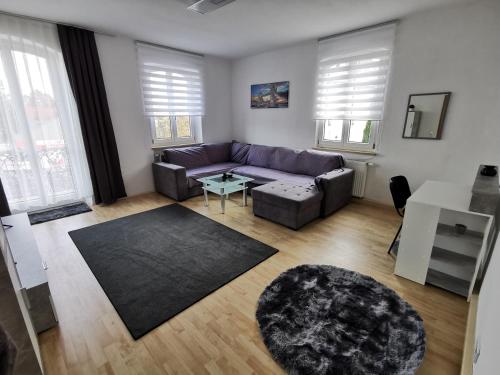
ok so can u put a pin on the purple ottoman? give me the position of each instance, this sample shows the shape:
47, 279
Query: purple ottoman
286, 203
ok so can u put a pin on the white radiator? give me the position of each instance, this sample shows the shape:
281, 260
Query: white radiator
360, 172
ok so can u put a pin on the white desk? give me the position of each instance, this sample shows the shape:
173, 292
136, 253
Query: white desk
431, 251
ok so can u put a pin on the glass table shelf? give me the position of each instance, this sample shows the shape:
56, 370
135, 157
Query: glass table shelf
223, 187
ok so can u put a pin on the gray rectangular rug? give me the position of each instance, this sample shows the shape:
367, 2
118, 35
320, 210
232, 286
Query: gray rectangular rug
155, 264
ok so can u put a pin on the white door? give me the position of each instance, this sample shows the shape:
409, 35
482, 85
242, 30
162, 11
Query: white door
42, 159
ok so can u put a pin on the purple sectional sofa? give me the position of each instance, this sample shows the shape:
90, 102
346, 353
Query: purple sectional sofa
176, 175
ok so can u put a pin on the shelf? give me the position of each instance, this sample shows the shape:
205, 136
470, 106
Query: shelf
24, 250
227, 190
452, 264
448, 282
468, 244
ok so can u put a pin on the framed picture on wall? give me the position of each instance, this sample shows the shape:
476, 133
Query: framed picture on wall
270, 95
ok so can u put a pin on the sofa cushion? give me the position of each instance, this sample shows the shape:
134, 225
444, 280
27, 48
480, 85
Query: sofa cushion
314, 163
265, 175
288, 195
239, 152
260, 156
208, 170
285, 159
187, 157
218, 152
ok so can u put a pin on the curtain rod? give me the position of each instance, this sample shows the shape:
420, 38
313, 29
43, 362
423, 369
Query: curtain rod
358, 30
170, 48
96, 31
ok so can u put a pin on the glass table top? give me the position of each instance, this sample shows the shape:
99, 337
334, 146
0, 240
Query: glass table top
216, 180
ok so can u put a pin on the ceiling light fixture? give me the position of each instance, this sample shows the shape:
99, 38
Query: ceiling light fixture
207, 6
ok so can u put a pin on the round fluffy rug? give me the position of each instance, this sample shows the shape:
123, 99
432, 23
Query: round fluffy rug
328, 320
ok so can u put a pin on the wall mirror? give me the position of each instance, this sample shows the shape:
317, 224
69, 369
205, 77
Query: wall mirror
425, 115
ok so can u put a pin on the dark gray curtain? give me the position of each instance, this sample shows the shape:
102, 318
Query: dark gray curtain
84, 70
4, 204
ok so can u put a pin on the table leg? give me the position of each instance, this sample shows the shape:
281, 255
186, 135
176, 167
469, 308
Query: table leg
222, 200
244, 194
206, 195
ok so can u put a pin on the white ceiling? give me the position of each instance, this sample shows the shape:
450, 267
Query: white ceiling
241, 28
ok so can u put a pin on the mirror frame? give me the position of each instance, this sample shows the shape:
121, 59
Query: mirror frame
439, 132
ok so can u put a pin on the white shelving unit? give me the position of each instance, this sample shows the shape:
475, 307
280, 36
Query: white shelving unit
28, 275
430, 249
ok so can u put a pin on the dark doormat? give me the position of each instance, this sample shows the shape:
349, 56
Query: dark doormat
58, 212
155, 264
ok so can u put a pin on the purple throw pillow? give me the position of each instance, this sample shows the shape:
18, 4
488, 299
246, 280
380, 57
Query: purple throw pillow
239, 152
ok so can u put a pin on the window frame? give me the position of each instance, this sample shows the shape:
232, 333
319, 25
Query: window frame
344, 143
175, 140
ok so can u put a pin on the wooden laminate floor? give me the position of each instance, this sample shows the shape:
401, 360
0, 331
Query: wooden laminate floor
219, 334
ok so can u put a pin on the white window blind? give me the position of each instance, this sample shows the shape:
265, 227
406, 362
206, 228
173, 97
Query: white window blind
171, 81
353, 71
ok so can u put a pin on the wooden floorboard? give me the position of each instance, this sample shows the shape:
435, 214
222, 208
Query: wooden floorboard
219, 334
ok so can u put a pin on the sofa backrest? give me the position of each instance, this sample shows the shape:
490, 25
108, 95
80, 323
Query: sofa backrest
261, 156
314, 163
286, 159
187, 157
306, 162
218, 152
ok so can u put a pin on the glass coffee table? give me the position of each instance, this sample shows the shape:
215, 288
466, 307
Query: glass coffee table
216, 185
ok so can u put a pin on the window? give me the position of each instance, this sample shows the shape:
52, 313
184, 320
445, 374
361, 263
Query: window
172, 91
348, 134
42, 156
169, 129
353, 72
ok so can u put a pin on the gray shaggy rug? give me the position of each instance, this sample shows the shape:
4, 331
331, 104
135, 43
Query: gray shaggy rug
328, 320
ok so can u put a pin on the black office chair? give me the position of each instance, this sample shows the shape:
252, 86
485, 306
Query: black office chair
400, 191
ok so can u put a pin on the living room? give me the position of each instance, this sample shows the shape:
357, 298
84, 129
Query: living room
212, 186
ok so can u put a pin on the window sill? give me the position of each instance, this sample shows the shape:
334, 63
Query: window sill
157, 147
346, 150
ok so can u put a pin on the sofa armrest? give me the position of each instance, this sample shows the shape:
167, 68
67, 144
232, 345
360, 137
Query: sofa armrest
337, 188
170, 180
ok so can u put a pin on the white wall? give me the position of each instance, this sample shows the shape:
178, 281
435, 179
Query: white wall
455, 48
217, 123
487, 322
292, 126
451, 49
133, 138
119, 69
